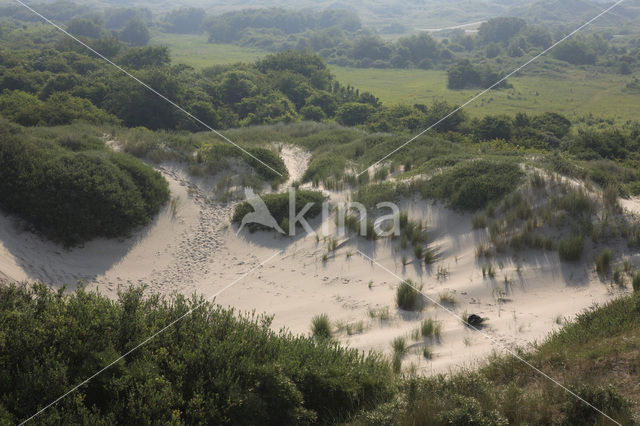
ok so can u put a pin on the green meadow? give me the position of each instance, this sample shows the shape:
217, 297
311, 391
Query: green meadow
575, 93
195, 50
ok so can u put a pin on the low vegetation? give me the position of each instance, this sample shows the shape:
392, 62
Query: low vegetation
321, 326
407, 297
278, 205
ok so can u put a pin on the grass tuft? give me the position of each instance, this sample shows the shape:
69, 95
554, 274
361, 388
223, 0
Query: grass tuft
321, 326
407, 297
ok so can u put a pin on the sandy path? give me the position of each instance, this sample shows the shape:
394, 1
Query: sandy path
296, 160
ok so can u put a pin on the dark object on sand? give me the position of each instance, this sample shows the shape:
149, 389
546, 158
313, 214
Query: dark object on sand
474, 320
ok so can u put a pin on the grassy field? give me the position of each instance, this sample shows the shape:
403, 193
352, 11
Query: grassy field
196, 51
575, 93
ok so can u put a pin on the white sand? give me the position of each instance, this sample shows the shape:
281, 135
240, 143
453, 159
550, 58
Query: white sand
197, 251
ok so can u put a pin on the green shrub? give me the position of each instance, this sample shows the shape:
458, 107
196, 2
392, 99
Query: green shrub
603, 262
278, 205
473, 184
407, 297
76, 190
570, 248
606, 398
321, 326
264, 161
213, 367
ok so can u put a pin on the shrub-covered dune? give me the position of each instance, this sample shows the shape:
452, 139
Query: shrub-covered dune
72, 188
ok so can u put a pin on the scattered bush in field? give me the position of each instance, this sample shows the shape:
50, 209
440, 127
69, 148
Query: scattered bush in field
603, 262
407, 297
321, 326
418, 251
570, 248
278, 376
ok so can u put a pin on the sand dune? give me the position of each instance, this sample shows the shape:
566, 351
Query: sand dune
196, 250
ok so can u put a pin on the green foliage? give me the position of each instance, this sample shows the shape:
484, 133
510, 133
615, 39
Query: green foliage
185, 20
59, 108
321, 326
430, 329
264, 161
407, 297
399, 345
570, 248
142, 57
135, 33
606, 398
473, 184
212, 367
500, 30
73, 190
278, 205
603, 262
464, 75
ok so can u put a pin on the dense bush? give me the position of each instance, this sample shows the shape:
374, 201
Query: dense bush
278, 205
464, 75
471, 185
212, 367
73, 190
264, 161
